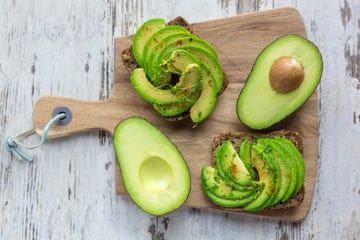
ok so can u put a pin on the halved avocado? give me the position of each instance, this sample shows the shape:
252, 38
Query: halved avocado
284, 76
143, 34
154, 172
188, 84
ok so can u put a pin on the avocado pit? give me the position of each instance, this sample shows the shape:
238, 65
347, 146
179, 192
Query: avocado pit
286, 74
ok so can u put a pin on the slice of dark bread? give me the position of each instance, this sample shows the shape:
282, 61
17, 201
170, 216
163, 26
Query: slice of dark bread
236, 138
130, 63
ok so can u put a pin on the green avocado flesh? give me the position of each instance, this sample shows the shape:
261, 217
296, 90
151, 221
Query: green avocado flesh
142, 35
230, 166
223, 194
182, 92
265, 172
164, 53
259, 106
154, 172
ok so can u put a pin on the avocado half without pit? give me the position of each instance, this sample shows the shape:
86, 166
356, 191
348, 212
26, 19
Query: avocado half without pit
283, 77
154, 172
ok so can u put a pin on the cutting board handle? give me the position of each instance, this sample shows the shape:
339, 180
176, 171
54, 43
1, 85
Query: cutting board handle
86, 115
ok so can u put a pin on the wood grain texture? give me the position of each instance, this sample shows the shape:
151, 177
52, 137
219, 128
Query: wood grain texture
238, 40
66, 48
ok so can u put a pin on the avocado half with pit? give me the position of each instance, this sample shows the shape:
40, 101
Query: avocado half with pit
180, 74
283, 77
154, 172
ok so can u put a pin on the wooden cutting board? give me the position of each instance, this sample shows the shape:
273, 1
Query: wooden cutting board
238, 40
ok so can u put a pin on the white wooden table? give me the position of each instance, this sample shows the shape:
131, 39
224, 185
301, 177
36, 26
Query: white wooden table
65, 48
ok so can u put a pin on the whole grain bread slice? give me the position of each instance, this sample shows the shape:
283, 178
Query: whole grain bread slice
236, 138
130, 63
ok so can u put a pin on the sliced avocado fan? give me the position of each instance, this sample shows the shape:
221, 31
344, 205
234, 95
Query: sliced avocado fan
165, 54
267, 171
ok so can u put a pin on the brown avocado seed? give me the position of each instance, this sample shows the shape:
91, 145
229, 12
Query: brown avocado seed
286, 74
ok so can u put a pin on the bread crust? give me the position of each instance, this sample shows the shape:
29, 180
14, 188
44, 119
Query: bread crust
236, 138
130, 64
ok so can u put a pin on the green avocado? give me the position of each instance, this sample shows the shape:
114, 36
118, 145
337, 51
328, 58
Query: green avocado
229, 203
292, 166
218, 186
177, 64
283, 77
143, 34
158, 36
297, 159
170, 44
245, 156
224, 194
207, 59
278, 173
162, 80
154, 71
206, 101
230, 166
283, 162
213, 77
154, 172
268, 174
189, 83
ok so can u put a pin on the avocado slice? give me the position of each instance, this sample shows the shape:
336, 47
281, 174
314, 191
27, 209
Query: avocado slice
143, 34
207, 59
283, 77
245, 156
158, 36
214, 183
229, 203
154, 172
159, 54
297, 159
229, 165
268, 174
154, 71
291, 165
177, 64
283, 163
222, 194
189, 83
205, 103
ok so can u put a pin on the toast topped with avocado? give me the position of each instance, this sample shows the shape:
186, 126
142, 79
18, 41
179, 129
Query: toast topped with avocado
256, 171
178, 73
